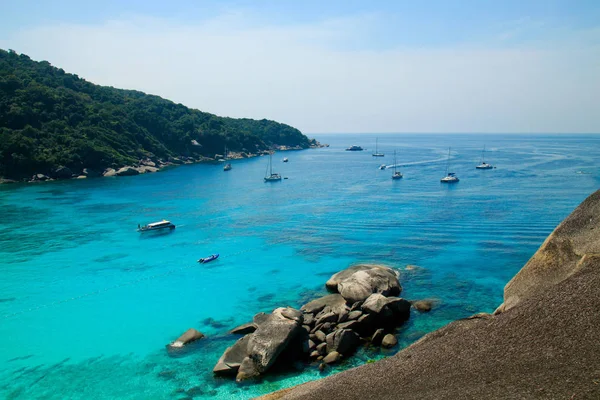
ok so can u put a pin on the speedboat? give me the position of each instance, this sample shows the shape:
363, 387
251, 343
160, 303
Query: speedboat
208, 259
227, 167
156, 226
285, 159
354, 148
450, 178
382, 166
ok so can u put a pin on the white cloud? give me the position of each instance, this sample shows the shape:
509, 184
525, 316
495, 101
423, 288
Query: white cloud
311, 77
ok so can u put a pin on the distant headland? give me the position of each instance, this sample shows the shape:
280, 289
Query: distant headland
56, 125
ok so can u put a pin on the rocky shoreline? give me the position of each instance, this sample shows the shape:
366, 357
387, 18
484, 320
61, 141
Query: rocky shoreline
149, 165
363, 309
541, 343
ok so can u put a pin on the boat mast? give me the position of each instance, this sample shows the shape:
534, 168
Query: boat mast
271, 163
482, 155
448, 162
394, 162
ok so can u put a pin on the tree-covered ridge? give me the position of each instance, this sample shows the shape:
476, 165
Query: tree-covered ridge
50, 118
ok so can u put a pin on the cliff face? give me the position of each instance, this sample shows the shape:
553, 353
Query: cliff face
561, 255
544, 342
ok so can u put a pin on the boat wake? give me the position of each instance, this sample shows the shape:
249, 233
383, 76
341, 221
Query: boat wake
436, 160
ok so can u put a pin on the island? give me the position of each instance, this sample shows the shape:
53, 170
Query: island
56, 125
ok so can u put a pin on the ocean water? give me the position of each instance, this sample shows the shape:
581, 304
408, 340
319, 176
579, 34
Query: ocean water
87, 304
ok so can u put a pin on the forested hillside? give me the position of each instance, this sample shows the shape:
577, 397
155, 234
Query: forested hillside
50, 118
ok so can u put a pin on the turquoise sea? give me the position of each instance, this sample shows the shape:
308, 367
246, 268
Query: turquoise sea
87, 304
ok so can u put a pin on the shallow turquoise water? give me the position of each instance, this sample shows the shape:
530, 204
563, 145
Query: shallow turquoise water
87, 304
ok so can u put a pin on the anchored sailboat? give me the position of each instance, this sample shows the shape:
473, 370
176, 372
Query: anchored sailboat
483, 164
450, 176
397, 174
271, 176
377, 153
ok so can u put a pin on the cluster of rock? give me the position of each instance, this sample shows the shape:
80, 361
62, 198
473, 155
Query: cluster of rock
365, 308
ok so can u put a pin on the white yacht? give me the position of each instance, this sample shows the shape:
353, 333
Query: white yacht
450, 176
156, 226
354, 148
483, 164
382, 166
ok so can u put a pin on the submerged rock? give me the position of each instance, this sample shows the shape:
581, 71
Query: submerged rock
191, 335
423, 305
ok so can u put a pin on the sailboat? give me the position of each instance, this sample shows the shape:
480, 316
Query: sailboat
377, 153
271, 177
397, 174
483, 164
450, 176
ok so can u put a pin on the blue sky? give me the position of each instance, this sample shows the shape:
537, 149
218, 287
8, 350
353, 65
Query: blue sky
335, 66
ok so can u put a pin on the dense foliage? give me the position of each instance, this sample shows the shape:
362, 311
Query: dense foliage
49, 118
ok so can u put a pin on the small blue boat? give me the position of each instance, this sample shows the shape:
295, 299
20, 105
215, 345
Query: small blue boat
208, 259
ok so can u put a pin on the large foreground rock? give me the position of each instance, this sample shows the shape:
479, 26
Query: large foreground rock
560, 256
256, 352
232, 358
543, 346
358, 282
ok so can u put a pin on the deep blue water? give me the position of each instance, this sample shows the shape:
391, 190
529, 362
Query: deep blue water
87, 304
